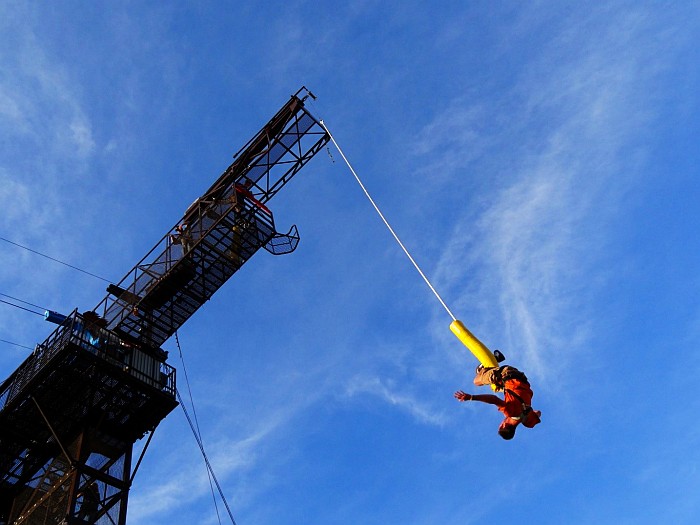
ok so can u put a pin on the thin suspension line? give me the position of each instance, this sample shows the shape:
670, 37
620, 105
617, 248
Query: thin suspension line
196, 420
204, 455
387, 223
56, 260
15, 344
22, 308
23, 302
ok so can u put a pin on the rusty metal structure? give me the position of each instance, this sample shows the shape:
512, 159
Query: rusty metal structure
72, 411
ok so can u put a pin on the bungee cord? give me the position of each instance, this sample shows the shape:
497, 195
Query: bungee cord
381, 215
468, 339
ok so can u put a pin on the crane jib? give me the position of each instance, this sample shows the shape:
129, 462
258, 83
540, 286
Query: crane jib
224, 228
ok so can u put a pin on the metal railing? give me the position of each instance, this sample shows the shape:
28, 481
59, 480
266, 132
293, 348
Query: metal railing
98, 341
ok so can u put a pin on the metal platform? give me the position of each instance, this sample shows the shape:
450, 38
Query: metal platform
71, 412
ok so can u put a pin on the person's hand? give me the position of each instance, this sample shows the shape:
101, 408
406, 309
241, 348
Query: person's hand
462, 396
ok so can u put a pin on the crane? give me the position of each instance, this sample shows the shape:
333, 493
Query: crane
71, 413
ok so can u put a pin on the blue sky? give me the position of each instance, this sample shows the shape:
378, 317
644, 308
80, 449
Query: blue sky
538, 159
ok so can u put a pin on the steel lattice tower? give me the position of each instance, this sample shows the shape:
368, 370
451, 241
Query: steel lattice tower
72, 411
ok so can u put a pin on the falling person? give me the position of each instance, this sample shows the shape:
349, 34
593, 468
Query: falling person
517, 397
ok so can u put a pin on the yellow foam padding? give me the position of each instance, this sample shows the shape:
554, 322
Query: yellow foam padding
476, 347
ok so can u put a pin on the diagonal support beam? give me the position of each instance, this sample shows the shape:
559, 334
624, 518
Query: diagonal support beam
70, 460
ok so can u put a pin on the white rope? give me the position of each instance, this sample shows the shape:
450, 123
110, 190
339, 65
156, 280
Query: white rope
387, 223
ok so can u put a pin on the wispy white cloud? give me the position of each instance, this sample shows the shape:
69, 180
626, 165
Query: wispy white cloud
15, 198
187, 480
46, 149
38, 100
462, 131
256, 429
249, 431
585, 103
552, 148
41, 118
386, 392
236, 456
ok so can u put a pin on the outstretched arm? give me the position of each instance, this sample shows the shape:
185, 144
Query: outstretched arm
484, 398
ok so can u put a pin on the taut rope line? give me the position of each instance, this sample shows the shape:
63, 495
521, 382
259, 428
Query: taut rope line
387, 223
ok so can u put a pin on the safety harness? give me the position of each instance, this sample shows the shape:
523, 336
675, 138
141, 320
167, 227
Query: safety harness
509, 373
526, 408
